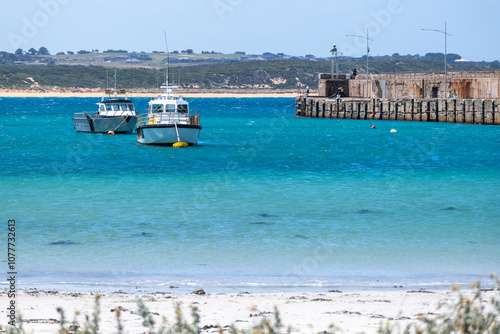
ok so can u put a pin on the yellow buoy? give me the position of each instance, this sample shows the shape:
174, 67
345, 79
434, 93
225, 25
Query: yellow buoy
111, 132
180, 144
393, 131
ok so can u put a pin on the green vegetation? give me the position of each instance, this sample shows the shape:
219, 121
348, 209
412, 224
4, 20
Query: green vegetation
471, 313
271, 74
276, 74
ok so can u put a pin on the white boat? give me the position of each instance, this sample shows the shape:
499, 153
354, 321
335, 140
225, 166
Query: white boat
115, 114
168, 121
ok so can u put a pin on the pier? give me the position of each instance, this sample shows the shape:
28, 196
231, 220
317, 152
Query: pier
469, 111
467, 97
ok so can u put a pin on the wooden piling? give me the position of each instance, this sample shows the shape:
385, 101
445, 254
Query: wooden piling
468, 111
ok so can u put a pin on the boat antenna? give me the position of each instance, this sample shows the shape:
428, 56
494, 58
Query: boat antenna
115, 80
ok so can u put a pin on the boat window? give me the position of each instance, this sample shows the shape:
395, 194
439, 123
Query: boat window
157, 108
108, 107
123, 107
101, 108
171, 108
116, 107
183, 108
131, 107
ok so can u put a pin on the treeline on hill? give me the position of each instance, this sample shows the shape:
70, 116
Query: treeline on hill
271, 74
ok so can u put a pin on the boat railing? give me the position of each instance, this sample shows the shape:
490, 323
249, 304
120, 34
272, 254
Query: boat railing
194, 117
117, 113
191, 118
84, 115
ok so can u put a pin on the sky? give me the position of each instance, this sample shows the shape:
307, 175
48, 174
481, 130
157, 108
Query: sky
255, 26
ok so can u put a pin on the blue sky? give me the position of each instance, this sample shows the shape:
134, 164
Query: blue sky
255, 26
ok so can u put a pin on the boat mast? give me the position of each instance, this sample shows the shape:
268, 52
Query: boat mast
168, 60
168, 88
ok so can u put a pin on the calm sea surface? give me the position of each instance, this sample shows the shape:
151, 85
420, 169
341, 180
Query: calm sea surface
266, 201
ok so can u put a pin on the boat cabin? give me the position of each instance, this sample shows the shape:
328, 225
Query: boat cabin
112, 104
116, 107
168, 109
168, 104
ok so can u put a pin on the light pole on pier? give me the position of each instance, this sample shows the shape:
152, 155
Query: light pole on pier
367, 53
445, 52
335, 61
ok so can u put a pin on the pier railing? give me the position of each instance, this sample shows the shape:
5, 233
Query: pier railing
470, 111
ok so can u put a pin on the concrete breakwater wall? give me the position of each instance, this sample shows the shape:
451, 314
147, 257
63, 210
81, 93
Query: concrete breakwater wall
468, 111
465, 85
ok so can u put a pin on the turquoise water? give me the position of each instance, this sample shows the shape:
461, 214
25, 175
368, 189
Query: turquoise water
266, 200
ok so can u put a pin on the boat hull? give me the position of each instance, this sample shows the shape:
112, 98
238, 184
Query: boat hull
166, 134
118, 124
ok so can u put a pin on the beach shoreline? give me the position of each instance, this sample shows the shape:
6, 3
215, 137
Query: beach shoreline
304, 312
90, 92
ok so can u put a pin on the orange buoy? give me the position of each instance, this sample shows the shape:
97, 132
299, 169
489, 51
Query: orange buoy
373, 127
111, 132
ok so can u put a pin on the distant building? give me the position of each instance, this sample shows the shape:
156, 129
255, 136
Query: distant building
256, 58
270, 56
115, 51
133, 61
178, 60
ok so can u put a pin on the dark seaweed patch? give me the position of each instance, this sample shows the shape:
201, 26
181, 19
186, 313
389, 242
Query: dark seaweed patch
144, 234
266, 215
63, 242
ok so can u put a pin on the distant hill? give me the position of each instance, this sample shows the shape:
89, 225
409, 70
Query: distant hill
255, 74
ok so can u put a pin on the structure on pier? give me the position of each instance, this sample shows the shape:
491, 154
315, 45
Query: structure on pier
469, 97
463, 85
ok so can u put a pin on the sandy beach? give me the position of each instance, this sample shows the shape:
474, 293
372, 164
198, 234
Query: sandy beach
87, 92
303, 312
